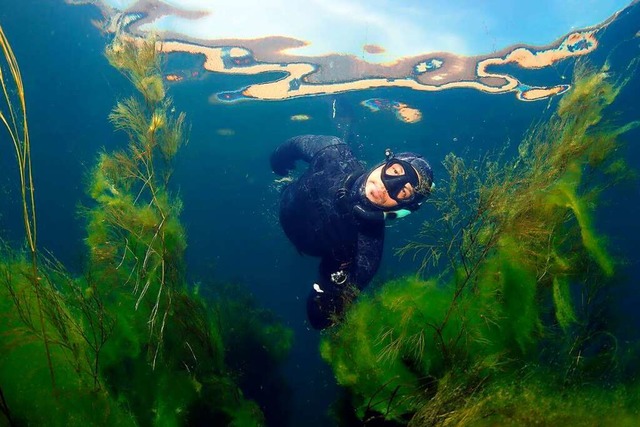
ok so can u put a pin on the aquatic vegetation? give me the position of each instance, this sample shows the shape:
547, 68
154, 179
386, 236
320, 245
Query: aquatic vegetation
192, 384
76, 335
137, 244
518, 267
128, 342
134, 230
139, 61
256, 345
15, 122
245, 323
534, 397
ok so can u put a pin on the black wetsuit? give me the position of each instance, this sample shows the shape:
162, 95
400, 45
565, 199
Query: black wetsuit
317, 215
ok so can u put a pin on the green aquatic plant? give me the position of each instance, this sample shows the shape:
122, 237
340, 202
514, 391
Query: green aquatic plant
514, 249
166, 357
248, 328
139, 60
76, 338
15, 122
530, 397
256, 345
135, 236
42, 304
192, 384
44, 314
130, 343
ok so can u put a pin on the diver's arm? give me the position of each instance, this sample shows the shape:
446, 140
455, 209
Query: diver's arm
368, 257
330, 294
302, 147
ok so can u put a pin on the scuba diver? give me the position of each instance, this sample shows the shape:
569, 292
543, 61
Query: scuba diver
336, 210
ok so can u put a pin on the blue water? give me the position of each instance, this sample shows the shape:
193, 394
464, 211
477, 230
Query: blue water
230, 200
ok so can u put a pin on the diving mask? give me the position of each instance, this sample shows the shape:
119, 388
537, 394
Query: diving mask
396, 174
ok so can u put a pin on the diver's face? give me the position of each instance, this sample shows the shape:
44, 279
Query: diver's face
377, 193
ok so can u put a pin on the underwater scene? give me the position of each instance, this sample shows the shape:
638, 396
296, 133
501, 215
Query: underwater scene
315, 213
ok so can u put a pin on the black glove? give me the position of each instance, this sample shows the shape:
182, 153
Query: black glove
324, 305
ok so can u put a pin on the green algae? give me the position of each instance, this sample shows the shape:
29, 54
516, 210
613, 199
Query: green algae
129, 341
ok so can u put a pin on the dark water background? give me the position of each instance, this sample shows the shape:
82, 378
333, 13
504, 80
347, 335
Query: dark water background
225, 182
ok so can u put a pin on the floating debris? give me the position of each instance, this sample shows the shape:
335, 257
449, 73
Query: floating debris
402, 111
173, 77
300, 117
225, 132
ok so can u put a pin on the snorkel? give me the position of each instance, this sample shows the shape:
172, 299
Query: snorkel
379, 215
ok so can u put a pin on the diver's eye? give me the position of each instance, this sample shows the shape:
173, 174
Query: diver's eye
405, 193
395, 170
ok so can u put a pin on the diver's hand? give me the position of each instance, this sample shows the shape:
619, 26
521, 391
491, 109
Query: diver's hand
281, 164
